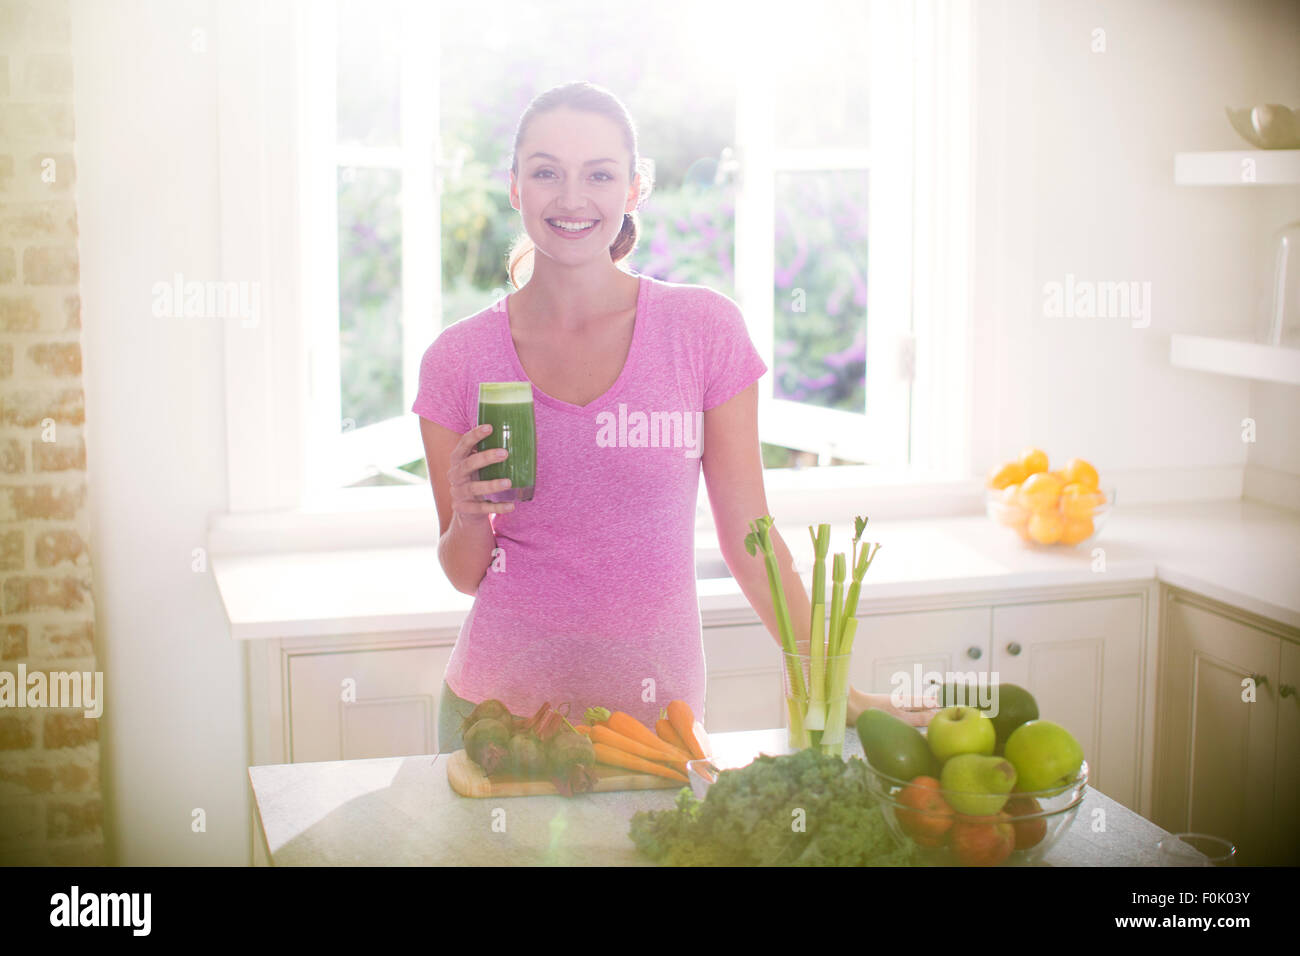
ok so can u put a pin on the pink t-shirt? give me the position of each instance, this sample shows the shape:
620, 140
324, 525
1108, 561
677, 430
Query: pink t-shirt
596, 602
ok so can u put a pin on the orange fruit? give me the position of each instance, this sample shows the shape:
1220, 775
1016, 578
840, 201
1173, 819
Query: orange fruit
1008, 508
1079, 471
1076, 529
1012, 473
1079, 501
1034, 460
1046, 526
1040, 491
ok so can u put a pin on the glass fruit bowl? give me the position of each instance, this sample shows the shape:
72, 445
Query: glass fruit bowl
1020, 834
1069, 522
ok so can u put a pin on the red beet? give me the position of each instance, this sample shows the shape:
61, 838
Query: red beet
487, 744
489, 708
572, 762
527, 756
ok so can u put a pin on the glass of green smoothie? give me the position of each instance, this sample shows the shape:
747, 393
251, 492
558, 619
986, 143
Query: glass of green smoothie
508, 408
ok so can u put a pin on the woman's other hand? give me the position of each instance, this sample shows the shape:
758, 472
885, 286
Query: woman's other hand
916, 712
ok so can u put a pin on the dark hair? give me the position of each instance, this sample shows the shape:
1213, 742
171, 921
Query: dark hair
586, 96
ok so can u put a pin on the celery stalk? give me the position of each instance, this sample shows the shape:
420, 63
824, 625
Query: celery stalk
837, 601
837, 711
758, 538
816, 716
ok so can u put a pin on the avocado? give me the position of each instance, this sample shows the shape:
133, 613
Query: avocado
1016, 706
895, 747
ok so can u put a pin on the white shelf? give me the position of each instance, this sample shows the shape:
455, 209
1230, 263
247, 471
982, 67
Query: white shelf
1248, 167
1240, 357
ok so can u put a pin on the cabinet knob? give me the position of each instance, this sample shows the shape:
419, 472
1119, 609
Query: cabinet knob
1261, 680
1013, 649
1286, 690
974, 653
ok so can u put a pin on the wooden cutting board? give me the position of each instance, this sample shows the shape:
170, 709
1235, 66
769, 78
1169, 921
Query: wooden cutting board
468, 779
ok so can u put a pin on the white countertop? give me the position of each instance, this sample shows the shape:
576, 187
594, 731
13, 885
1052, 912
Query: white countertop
1239, 552
400, 811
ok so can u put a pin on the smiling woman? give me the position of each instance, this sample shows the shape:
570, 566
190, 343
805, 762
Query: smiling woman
569, 610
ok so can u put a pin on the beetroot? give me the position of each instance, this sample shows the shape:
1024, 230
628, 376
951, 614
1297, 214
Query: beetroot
486, 743
571, 762
489, 708
527, 756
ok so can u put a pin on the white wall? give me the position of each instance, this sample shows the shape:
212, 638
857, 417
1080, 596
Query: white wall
172, 730
1075, 175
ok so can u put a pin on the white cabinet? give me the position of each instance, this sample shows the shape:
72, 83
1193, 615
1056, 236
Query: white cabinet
1286, 780
346, 697
744, 678
365, 703
1081, 659
888, 648
1227, 758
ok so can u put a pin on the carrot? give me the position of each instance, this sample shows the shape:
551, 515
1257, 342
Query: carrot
582, 729
688, 728
633, 729
664, 728
611, 738
618, 758
629, 726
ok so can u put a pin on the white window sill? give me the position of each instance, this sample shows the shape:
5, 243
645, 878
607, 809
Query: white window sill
398, 516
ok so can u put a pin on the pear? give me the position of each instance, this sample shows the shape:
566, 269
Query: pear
977, 785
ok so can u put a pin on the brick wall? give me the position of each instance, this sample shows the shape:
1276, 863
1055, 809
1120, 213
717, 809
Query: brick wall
50, 799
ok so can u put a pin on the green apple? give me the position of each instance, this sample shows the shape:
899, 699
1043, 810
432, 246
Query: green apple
977, 785
960, 730
1045, 755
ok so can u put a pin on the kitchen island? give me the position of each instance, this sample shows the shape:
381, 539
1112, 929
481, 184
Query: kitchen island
400, 811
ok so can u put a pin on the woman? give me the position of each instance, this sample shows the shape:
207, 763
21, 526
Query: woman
591, 597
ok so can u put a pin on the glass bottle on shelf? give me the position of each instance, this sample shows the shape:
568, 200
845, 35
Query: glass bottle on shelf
1280, 324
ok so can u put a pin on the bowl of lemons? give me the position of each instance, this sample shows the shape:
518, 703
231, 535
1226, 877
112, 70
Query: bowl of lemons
1065, 507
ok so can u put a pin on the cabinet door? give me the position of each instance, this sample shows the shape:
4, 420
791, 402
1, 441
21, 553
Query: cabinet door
1080, 659
890, 650
1287, 785
1216, 750
744, 679
394, 714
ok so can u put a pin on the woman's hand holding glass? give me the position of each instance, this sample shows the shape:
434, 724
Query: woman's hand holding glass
466, 490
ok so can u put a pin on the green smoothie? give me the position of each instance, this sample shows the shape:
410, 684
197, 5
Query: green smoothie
508, 408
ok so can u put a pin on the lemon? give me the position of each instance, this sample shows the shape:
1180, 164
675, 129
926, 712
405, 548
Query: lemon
1012, 473
1034, 460
1046, 526
1079, 501
1076, 529
1009, 511
1080, 471
1040, 491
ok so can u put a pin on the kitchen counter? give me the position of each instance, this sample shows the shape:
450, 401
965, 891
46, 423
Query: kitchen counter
1236, 551
400, 811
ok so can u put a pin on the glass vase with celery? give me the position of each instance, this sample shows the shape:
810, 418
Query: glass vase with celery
817, 682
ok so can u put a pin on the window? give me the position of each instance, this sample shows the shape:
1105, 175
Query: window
796, 172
